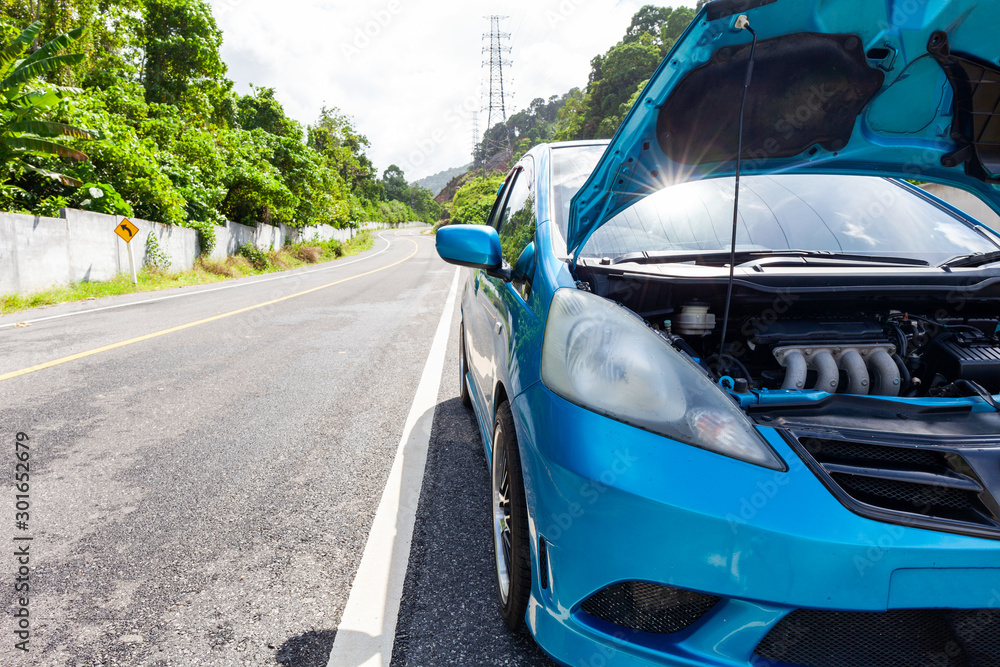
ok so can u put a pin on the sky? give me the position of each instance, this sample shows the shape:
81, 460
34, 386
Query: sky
410, 73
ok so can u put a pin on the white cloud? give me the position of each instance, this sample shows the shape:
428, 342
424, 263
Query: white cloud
408, 72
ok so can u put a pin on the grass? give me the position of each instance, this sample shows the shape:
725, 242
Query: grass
206, 270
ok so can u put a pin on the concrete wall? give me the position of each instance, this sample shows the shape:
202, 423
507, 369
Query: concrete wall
38, 253
34, 254
230, 237
967, 202
8, 244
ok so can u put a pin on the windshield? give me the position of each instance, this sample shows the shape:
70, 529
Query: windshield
571, 165
859, 215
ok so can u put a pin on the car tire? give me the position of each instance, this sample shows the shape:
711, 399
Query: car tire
512, 554
463, 368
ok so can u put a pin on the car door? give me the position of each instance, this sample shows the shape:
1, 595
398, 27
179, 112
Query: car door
505, 300
480, 319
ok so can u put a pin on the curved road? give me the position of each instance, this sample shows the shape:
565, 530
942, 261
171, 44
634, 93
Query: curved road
206, 463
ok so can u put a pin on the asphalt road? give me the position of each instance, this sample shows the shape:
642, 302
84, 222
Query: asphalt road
203, 496
448, 614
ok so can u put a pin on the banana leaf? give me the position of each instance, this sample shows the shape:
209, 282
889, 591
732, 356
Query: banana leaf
12, 51
57, 44
27, 71
54, 175
44, 128
41, 147
48, 97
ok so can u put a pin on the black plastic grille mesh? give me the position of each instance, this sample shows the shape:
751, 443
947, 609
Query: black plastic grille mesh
648, 607
908, 497
841, 451
903, 638
899, 479
978, 633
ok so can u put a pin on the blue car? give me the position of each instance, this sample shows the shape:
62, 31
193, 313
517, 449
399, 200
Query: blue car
736, 374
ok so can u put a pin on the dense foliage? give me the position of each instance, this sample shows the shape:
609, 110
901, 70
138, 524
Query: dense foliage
139, 88
474, 199
420, 200
524, 129
24, 103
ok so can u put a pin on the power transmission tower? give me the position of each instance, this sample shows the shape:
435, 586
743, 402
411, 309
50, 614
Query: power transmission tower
475, 139
497, 49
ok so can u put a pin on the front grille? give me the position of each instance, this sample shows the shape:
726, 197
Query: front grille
901, 638
930, 487
637, 605
847, 452
909, 497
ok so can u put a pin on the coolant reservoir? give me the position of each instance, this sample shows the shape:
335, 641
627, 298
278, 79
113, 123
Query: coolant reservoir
694, 320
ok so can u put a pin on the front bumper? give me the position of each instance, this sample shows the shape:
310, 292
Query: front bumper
614, 503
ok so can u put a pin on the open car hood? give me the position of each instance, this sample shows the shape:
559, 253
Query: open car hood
907, 88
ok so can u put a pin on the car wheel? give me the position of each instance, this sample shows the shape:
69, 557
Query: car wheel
510, 522
463, 368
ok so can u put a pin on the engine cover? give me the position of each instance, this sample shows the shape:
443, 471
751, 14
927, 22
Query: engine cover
966, 356
803, 332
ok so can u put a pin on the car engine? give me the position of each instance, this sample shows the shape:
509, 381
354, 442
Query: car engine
859, 345
895, 355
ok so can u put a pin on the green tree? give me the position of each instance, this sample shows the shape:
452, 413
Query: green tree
261, 110
113, 43
526, 128
663, 24
572, 117
181, 43
394, 185
474, 200
423, 204
616, 75
26, 132
418, 202
650, 20
624, 66
335, 137
255, 189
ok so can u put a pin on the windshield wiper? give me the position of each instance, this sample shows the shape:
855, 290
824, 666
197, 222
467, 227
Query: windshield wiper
975, 259
670, 257
721, 257
849, 257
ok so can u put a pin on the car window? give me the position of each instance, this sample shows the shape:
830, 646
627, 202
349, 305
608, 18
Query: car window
516, 224
835, 213
493, 220
571, 165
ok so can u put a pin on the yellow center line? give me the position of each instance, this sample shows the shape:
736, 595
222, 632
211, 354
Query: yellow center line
157, 334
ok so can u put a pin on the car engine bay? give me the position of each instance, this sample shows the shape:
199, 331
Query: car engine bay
813, 336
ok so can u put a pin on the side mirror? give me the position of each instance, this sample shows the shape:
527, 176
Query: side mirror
475, 246
524, 269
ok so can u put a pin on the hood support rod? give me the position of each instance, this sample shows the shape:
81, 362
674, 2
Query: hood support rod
742, 23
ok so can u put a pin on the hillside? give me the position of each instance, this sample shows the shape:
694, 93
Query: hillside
447, 193
436, 182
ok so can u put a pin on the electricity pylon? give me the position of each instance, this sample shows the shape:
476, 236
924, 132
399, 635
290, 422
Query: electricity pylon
497, 49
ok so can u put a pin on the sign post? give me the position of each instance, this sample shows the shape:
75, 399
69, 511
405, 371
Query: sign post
127, 231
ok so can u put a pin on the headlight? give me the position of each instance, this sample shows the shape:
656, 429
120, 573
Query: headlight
601, 357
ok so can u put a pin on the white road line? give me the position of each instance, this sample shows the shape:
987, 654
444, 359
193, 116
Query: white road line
283, 276
366, 631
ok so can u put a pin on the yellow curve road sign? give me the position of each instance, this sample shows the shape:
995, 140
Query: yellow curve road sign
126, 230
